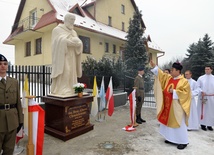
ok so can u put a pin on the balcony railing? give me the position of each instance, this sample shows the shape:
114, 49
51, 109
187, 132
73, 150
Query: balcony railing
28, 23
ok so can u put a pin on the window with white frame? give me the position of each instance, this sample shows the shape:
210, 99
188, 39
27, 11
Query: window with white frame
33, 18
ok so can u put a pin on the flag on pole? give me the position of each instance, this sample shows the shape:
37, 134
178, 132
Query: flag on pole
94, 105
38, 122
110, 98
19, 135
25, 93
132, 102
102, 95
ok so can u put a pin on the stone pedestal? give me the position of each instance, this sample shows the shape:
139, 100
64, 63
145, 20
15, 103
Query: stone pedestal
66, 118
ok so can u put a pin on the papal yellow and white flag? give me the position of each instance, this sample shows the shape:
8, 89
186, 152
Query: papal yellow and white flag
94, 105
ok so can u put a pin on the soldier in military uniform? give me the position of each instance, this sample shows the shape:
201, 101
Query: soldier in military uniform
139, 85
11, 117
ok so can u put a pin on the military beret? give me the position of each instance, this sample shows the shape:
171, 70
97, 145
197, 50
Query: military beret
140, 69
2, 58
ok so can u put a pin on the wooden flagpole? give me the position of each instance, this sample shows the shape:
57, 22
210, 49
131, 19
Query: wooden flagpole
30, 145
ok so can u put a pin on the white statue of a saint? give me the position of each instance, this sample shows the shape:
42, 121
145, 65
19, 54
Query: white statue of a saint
66, 58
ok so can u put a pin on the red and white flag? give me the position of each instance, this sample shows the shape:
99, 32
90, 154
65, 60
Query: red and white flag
19, 135
132, 102
38, 117
110, 98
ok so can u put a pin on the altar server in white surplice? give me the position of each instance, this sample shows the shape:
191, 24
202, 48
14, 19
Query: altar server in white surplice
193, 123
206, 99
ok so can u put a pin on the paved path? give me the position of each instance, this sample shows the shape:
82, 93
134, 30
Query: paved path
144, 141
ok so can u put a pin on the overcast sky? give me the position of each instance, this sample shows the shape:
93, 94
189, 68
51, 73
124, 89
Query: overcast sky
175, 24
8, 9
172, 24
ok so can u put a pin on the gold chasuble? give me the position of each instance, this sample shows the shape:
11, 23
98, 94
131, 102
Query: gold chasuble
170, 111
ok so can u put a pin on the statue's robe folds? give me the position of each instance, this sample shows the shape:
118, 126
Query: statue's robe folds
173, 109
66, 60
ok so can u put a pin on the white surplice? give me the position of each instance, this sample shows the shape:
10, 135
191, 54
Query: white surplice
175, 135
206, 84
193, 123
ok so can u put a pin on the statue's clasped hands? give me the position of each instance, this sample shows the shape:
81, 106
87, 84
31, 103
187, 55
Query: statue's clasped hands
75, 41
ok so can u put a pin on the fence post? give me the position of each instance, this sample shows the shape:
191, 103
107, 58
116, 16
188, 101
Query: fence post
43, 79
124, 85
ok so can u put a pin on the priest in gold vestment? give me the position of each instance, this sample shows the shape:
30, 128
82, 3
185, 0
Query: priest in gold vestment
173, 97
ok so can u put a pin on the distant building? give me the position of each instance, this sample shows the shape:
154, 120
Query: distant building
100, 24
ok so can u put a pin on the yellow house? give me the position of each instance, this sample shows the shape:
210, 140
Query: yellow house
100, 24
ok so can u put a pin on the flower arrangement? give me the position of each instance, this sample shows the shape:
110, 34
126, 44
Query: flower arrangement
79, 87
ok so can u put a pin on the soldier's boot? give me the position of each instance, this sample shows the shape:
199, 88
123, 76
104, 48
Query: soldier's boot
138, 119
142, 120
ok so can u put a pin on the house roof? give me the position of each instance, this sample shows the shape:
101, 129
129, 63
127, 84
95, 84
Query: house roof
84, 20
46, 19
88, 3
62, 7
151, 44
18, 15
17, 31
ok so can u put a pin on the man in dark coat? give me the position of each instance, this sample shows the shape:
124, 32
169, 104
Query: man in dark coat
11, 116
139, 86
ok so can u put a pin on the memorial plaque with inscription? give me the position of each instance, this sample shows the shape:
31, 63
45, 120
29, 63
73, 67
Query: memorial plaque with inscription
77, 116
66, 118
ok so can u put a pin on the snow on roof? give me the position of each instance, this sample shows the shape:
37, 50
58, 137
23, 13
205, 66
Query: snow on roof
63, 6
151, 43
86, 2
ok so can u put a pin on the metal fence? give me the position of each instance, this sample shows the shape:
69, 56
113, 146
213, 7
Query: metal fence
38, 76
40, 81
149, 99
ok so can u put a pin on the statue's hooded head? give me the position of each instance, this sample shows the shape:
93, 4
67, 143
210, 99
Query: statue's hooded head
69, 20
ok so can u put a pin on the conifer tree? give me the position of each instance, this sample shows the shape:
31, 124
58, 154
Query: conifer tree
200, 54
135, 53
191, 51
198, 60
186, 62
